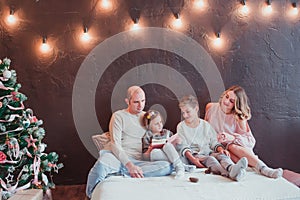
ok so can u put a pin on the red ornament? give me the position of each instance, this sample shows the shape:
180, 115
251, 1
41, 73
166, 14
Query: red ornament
14, 96
2, 157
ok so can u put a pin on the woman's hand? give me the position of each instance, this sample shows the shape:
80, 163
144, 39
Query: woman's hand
224, 137
221, 137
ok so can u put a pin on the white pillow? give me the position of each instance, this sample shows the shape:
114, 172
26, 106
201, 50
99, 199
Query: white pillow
101, 140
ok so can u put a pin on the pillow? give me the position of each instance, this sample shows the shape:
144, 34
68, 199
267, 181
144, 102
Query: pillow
292, 177
101, 140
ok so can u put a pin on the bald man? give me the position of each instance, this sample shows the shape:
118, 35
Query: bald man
125, 157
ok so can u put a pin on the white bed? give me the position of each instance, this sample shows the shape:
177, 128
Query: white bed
209, 187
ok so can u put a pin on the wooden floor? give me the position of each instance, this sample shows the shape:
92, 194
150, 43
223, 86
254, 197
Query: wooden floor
68, 192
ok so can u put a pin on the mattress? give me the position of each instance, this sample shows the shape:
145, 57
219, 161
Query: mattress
208, 187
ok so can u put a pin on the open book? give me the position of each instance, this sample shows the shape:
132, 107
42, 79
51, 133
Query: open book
158, 143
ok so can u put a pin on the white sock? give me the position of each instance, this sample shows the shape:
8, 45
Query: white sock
267, 171
189, 168
237, 171
179, 169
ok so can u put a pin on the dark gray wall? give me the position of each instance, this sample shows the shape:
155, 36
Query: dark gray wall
262, 55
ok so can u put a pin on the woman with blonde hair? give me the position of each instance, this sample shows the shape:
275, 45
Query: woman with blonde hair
229, 117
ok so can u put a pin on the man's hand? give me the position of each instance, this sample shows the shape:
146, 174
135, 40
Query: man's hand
134, 171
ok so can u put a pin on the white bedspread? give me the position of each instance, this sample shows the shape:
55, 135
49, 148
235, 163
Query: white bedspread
209, 187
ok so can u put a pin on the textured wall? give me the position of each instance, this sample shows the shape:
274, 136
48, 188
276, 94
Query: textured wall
262, 54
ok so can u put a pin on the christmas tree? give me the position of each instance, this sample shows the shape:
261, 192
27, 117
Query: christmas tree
23, 162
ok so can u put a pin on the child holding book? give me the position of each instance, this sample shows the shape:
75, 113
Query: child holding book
158, 143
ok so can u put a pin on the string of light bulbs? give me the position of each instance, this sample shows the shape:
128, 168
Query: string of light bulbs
243, 10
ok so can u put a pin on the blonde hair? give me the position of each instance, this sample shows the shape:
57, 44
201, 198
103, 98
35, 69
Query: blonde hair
189, 100
149, 116
241, 105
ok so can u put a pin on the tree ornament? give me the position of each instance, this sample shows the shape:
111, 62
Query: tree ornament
31, 142
6, 61
26, 123
6, 74
2, 157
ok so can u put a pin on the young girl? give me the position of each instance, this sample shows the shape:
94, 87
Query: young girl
157, 142
229, 118
200, 145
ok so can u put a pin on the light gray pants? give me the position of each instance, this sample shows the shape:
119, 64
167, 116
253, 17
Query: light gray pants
167, 153
217, 162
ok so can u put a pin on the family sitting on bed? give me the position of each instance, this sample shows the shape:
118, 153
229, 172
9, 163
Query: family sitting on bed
225, 135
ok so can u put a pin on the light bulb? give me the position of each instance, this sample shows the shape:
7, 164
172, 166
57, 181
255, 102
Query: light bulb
177, 23
218, 41
244, 10
267, 10
44, 47
135, 25
11, 18
199, 4
85, 37
106, 4
294, 10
